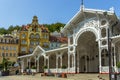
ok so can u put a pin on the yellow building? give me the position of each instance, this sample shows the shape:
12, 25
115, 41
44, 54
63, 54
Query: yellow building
32, 35
8, 48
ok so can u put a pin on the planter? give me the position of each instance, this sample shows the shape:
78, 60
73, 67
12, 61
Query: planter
27, 70
5, 73
64, 75
0, 73
33, 70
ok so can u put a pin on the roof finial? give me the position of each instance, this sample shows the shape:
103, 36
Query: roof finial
81, 2
82, 5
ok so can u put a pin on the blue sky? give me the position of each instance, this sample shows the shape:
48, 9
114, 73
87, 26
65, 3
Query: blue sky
20, 12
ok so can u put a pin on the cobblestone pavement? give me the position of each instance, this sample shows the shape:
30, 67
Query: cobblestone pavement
30, 77
69, 77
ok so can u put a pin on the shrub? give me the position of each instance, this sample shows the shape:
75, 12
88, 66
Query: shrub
33, 67
44, 67
64, 67
118, 64
27, 67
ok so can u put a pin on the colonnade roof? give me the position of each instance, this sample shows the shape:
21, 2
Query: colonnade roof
39, 50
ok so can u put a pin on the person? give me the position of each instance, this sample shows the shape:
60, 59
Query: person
0, 73
17, 71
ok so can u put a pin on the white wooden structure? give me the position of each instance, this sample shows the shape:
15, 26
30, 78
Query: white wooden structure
87, 49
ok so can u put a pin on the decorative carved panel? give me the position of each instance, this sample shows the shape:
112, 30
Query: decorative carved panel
103, 32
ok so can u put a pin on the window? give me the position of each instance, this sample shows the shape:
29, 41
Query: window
10, 48
6, 54
14, 54
37, 36
23, 49
31, 50
32, 36
14, 48
37, 43
31, 42
23, 35
3, 54
45, 44
23, 42
6, 47
10, 54
3, 48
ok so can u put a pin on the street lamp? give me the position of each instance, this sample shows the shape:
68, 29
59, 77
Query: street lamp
109, 52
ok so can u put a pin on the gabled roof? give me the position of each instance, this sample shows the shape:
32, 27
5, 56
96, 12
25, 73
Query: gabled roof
88, 13
37, 49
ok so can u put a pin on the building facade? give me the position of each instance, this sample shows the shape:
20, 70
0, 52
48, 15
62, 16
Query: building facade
33, 35
57, 40
87, 49
9, 48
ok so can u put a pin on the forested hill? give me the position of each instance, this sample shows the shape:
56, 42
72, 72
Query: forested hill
52, 27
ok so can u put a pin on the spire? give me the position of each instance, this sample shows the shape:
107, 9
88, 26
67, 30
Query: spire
82, 5
35, 20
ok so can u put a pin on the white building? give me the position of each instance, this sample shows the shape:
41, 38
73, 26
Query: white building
87, 49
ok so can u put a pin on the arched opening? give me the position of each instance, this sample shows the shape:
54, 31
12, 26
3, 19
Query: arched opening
83, 60
52, 60
65, 59
87, 53
59, 62
71, 60
105, 59
32, 63
41, 64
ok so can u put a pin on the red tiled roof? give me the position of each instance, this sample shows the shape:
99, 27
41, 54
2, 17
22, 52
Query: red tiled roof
24, 28
58, 39
63, 39
43, 28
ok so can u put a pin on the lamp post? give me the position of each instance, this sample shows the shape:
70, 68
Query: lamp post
109, 52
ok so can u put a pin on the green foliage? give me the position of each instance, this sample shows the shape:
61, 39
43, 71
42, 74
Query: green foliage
3, 31
33, 67
118, 64
5, 64
9, 30
64, 67
44, 67
27, 67
1, 66
51, 27
55, 26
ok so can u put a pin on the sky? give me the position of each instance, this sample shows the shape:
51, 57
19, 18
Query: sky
21, 12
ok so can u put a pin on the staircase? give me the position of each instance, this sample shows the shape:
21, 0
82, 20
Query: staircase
85, 76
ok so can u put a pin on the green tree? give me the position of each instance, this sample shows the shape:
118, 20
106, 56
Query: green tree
5, 64
10, 29
55, 26
3, 31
